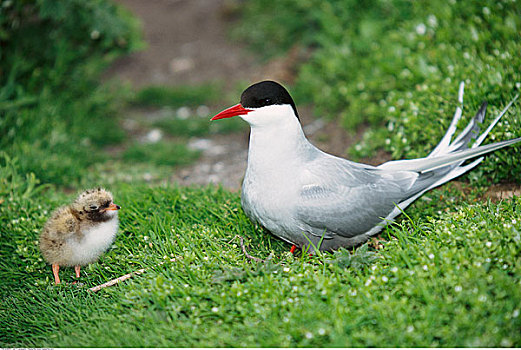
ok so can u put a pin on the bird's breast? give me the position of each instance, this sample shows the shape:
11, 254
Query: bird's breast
269, 200
94, 241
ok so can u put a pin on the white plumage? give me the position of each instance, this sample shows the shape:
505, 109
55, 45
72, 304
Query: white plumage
95, 241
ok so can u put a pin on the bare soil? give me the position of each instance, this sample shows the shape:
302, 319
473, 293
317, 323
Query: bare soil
187, 44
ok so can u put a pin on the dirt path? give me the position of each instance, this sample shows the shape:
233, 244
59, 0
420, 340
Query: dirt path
188, 44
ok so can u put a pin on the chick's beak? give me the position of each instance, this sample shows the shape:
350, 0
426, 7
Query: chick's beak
113, 206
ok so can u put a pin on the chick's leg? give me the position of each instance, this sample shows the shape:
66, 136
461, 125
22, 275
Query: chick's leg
55, 270
77, 269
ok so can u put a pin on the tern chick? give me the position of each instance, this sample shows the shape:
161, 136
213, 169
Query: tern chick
77, 234
310, 198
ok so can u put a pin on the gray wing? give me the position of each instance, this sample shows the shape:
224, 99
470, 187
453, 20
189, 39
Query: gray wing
346, 198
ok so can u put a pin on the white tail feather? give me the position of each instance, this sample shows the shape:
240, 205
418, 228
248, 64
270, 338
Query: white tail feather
445, 141
429, 164
447, 153
485, 133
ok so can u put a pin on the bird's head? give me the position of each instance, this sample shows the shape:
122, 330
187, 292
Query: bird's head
96, 205
263, 104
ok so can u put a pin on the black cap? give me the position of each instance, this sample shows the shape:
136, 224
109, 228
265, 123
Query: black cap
266, 93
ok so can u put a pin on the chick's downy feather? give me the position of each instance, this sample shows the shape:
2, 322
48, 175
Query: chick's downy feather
78, 234
61, 228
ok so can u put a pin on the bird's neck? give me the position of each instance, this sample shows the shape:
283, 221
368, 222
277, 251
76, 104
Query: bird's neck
274, 148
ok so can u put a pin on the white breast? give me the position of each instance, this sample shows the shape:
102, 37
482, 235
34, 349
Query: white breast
95, 242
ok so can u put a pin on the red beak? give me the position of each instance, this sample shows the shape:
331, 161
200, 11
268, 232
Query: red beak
232, 112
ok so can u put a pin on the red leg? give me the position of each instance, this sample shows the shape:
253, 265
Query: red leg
55, 270
77, 269
293, 248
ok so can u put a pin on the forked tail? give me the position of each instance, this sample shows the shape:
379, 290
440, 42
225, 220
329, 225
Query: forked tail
451, 154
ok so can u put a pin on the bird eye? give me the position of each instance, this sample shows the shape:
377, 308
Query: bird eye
93, 207
266, 101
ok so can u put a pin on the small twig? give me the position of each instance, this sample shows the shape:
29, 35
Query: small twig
124, 277
116, 280
245, 252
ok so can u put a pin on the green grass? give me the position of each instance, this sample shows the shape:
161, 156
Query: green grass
197, 126
160, 153
177, 96
448, 279
54, 116
55, 146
